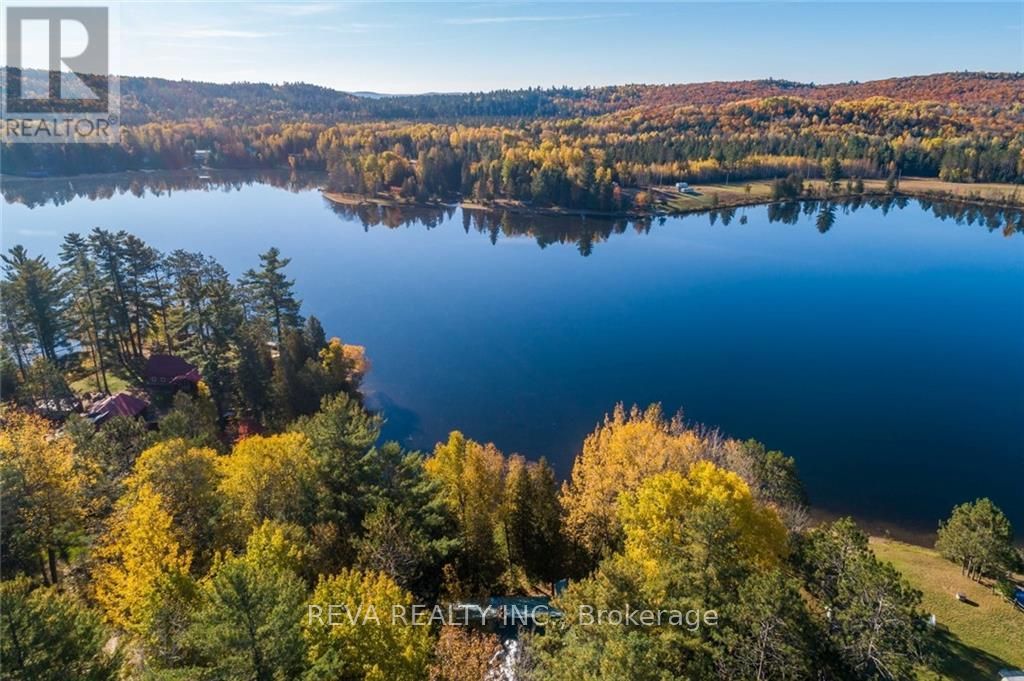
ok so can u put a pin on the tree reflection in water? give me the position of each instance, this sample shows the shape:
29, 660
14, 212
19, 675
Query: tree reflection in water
584, 232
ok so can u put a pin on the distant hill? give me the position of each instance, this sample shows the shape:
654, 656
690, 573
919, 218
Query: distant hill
961, 87
158, 99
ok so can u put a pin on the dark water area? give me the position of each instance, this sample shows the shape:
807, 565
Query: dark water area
879, 343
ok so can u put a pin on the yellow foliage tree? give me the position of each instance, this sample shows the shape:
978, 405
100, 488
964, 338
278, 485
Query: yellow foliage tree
471, 476
280, 545
367, 637
267, 478
705, 523
42, 493
336, 364
186, 478
617, 457
143, 563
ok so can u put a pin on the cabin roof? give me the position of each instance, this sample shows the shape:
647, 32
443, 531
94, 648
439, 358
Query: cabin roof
168, 368
121, 404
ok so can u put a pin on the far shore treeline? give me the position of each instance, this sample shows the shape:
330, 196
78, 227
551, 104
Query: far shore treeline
191, 542
592, 148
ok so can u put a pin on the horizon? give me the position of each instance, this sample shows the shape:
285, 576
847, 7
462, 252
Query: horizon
418, 48
766, 79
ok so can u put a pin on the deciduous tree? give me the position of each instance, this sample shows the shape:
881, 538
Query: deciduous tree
268, 478
471, 476
351, 644
43, 495
617, 457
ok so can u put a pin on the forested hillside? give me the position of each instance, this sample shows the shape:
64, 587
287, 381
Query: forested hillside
147, 100
576, 148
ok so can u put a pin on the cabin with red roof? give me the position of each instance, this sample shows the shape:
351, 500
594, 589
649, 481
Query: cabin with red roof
170, 371
121, 404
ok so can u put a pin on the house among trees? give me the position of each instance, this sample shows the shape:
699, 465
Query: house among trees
121, 404
170, 371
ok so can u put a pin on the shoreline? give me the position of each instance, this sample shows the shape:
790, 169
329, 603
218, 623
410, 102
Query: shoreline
666, 200
671, 204
882, 529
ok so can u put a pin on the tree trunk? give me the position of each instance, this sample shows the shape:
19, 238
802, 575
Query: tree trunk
51, 557
102, 364
42, 570
163, 313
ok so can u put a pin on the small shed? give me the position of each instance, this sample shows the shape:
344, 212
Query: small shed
121, 404
170, 371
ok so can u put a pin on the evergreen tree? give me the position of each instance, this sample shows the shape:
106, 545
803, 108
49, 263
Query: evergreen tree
340, 436
254, 372
767, 633
211, 315
394, 485
833, 171
141, 284
247, 624
108, 250
35, 300
872, 619
315, 336
978, 537
84, 283
271, 293
47, 636
15, 336
192, 419
533, 520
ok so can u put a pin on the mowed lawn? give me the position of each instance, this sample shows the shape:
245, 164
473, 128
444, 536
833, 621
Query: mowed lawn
721, 195
87, 383
977, 641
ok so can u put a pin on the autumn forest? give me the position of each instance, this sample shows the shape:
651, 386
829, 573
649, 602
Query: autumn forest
193, 471
578, 148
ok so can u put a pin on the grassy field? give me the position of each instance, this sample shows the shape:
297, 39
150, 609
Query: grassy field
87, 383
736, 194
977, 640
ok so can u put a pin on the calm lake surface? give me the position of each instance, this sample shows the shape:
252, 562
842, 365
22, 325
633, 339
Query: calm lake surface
879, 345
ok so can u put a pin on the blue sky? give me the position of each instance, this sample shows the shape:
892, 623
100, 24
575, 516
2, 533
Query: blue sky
420, 47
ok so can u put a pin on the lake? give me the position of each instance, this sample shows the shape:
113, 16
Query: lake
879, 344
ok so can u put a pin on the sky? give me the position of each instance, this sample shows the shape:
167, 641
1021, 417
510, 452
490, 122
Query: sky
463, 46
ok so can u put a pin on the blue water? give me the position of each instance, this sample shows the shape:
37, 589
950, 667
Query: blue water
885, 354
